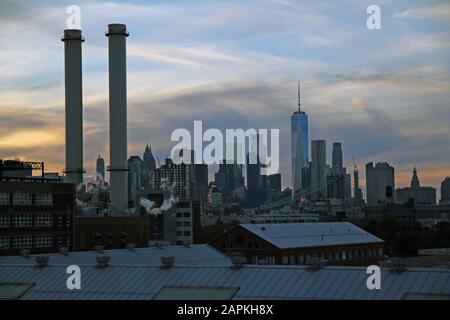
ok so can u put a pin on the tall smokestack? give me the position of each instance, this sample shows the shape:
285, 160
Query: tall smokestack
117, 34
74, 105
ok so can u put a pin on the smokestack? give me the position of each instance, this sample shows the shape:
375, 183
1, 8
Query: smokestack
74, 105
117, 34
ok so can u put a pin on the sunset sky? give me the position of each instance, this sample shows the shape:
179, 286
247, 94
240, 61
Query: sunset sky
384, 94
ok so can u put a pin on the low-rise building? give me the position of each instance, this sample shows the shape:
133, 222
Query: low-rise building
340, 243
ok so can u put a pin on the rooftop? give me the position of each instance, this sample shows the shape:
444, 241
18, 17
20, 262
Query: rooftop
194, 255
139, 282
297, 235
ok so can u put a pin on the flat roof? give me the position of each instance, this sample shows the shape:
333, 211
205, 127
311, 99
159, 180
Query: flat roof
315, 234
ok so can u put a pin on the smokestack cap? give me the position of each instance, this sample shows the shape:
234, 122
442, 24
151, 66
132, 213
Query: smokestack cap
117, 28
72, 34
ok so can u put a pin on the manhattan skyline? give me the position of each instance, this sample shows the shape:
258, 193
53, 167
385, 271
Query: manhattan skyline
383, 94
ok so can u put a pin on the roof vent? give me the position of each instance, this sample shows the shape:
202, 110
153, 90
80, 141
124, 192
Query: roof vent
167, 262
25, 253
41, 261
396, 264
237, 262
99, 249
263, 228
64, 251
159, 245
131, 246
102, 261
186, 244
315, 263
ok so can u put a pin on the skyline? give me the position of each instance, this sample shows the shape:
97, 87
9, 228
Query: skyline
342, 93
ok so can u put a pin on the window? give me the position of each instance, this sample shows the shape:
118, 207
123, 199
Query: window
187, 233
4, 243
43, 241
285, 260
5, 220
4, 199
179, 224
22, 242
186, 224
22, 199
22, 220
179, 233
179, 214
380, 252
187, 214
43, 199
43, 220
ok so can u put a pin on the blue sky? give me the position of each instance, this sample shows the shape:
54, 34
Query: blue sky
234, 64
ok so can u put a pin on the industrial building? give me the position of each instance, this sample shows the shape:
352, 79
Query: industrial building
200, 273
339, 243
114, 232
36, 216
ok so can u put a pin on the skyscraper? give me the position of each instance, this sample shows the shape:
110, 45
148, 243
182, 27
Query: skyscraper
445, 191
135, 165
100, 169
148, 166
380, 183
299, 147
337, 162
358, 198
318, 169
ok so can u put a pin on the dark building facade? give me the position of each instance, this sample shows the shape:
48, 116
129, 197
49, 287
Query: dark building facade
110, 232
36, 217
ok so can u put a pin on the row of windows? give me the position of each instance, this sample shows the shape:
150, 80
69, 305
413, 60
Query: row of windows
183, 214
26, 199
41, 220
335, 256
26, 241
183, 233
183, 224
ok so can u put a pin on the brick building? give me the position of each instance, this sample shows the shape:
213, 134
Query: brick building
340, 243
36, 216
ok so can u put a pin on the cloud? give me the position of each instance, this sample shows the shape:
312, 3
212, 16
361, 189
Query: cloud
360, 103
439, 11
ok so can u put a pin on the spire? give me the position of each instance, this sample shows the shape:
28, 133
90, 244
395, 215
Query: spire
298, 90
415, 179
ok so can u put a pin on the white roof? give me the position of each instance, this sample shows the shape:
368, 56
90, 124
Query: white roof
316, 234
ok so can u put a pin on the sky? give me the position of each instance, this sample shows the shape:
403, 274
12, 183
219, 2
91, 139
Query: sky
384, 94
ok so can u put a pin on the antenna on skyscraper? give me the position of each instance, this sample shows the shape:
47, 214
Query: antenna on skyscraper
298, 89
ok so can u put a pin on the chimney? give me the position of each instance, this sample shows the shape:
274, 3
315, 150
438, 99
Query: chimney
74, 105
117, 34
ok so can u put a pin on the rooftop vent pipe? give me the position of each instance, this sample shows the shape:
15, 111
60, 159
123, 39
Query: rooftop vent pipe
102, 261
315, 263
237, 262
167, 262
41, 261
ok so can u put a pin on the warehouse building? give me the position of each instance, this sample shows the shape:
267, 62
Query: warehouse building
340, 243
